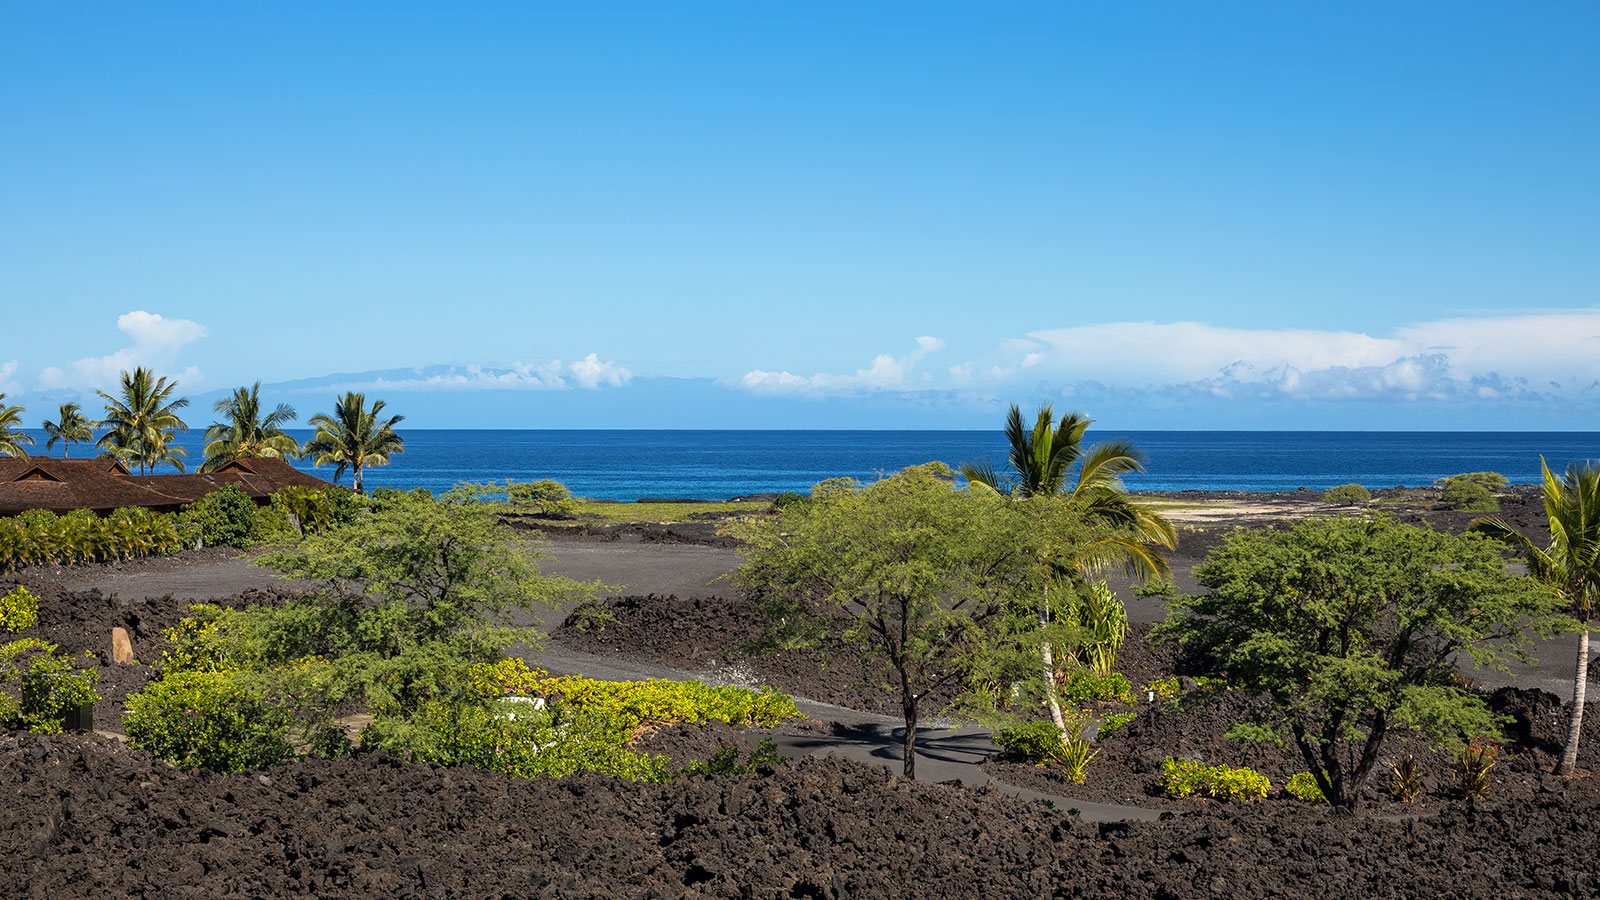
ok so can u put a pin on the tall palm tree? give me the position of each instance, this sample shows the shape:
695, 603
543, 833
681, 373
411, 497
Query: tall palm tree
142, 421
247, 434
70, 427
353, 437
1570, 563
11, 438
1042, 460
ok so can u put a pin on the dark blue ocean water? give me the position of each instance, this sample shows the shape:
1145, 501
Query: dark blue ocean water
627, 465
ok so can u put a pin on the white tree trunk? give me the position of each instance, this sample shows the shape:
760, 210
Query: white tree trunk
1050, 665
1580, 683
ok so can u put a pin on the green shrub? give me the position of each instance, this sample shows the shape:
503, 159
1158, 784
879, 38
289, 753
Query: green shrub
314, 511
193, 644
1346, 495
19, 610
1029, 742
48, 686
1040, 743
206, 720
725, 761
273, 526
663, 701
1187, 778
51, 689
1082, 686
1303, 787
223, 518
1468, 496
1489, 481
526, 743
1113, 722
43, 538
586, 725
1164, 688
545, 497
787, 499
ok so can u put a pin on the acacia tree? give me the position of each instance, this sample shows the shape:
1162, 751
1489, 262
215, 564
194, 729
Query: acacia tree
1570, 564
408, 594
70, 427
913, 570
1351, 630
11, 439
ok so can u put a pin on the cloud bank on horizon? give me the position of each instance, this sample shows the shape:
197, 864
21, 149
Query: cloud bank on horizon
1546, 359
1525, 356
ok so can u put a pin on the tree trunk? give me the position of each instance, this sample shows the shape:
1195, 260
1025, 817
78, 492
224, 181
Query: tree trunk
1580, 682
908, 705
1048, 656
358, 479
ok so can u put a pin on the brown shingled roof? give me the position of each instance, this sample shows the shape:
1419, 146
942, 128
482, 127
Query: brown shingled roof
62, 485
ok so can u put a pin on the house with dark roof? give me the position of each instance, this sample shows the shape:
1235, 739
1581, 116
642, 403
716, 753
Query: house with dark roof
102, 485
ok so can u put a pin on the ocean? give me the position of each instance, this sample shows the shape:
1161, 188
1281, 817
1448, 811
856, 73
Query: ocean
628, 465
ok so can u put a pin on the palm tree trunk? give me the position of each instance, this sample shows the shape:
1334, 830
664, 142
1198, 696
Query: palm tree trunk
1580, 683
1047, 656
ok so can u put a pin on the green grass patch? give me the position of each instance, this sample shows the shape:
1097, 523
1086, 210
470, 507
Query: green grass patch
664, 513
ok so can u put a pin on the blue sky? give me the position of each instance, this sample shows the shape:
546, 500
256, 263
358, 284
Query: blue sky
1238, 215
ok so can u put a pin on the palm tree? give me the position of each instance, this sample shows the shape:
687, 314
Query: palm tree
1570, 563
353, 437
1042, 461
70, 427
142, 421
12, 439
246, 434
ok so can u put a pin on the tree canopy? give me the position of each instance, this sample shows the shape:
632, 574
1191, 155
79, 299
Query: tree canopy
354, 437
12, 438
142, 418
245, 432
914, 570
1352, 630
409, 596
70, 427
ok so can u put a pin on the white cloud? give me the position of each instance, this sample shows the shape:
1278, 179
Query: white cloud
886, 372
8, 371
156, 342
1498, 357
590, 372
1526, 357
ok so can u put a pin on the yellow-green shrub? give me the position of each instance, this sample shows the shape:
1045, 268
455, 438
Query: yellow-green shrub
193, 644
1187, 778
48, 686
1303, 787
19, 610
673, 701
206, 720
1164, 688
585, 727
522, 742
1082, 686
